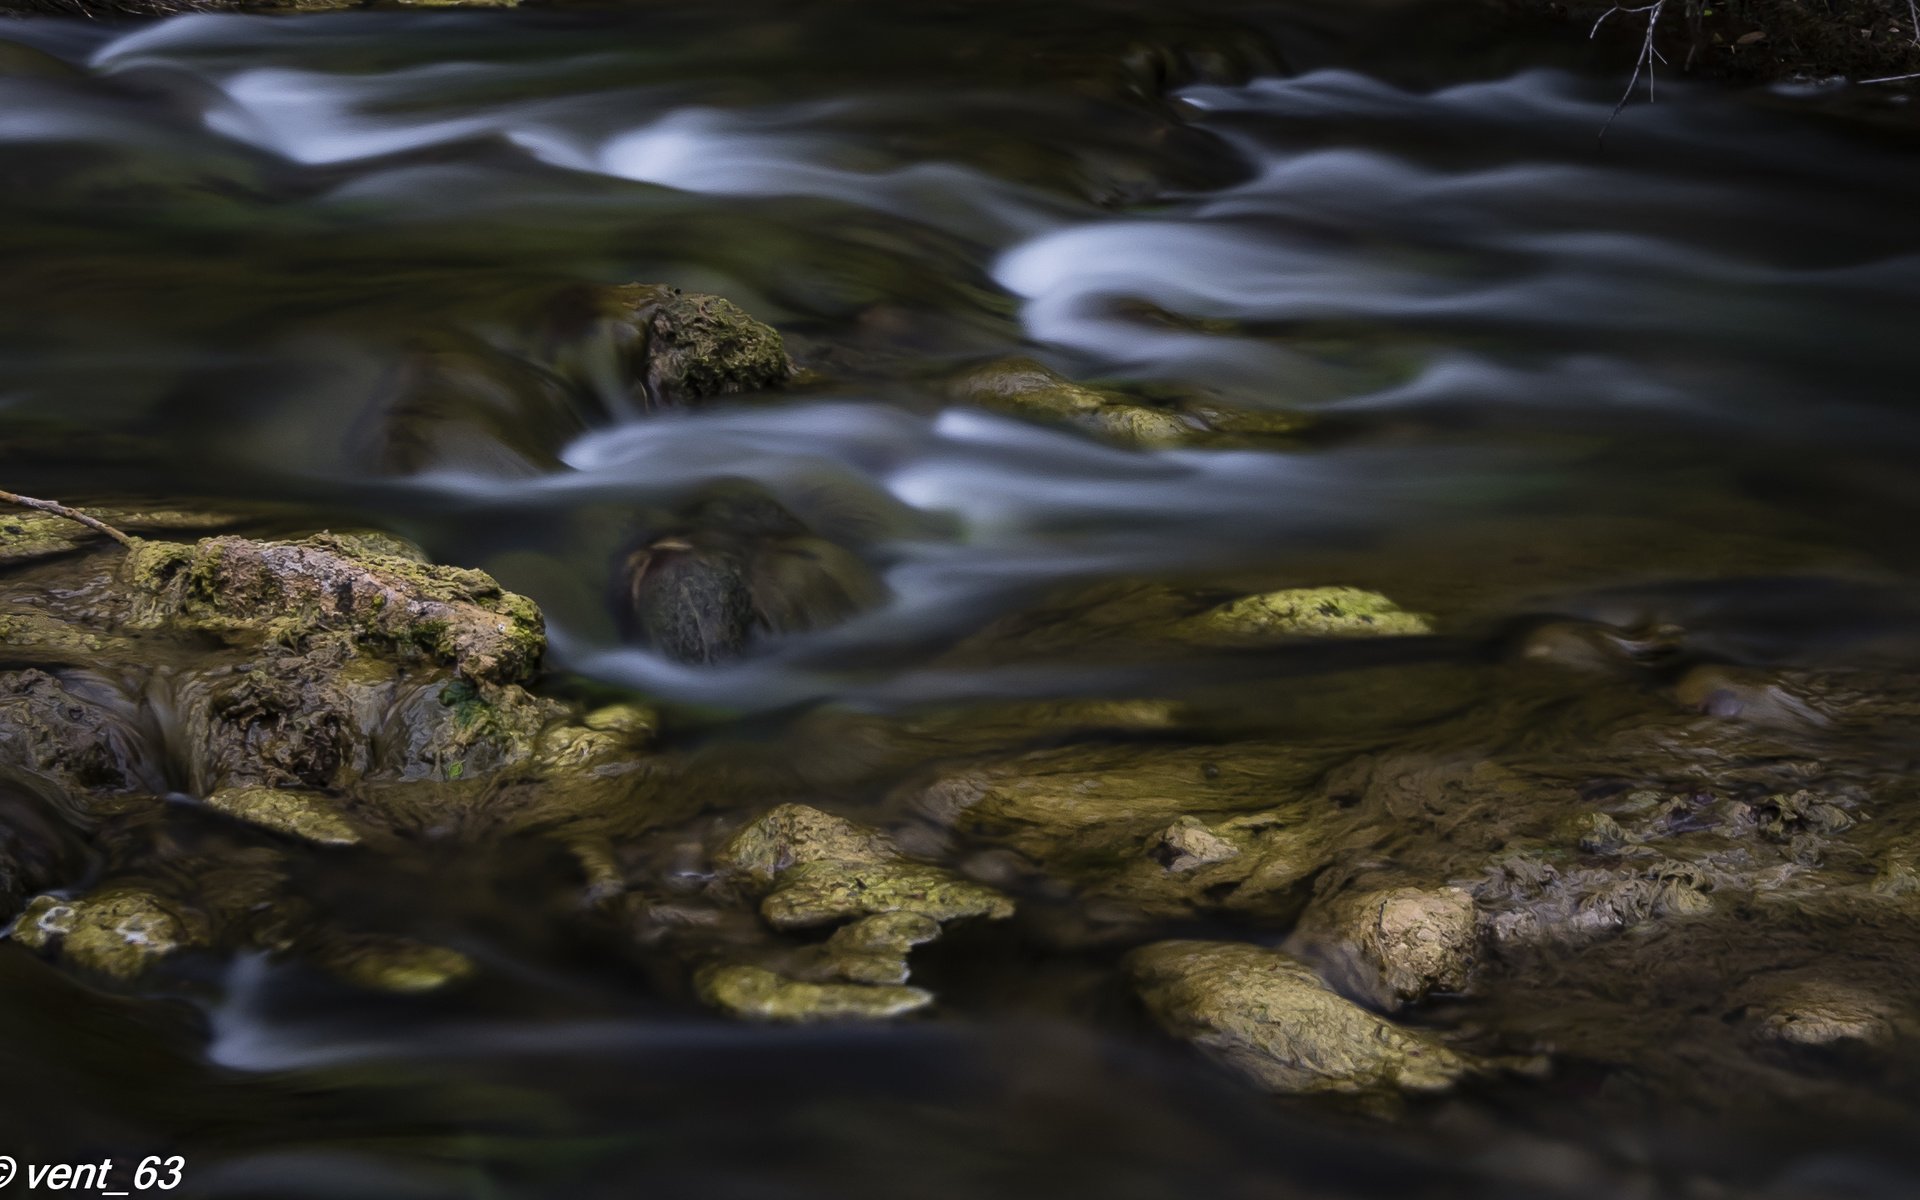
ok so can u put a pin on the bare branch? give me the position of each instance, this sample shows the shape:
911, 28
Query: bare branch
1892, 78
71, 514
1648, 56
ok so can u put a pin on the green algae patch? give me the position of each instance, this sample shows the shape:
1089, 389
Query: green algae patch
246, 591
874, 949
309, 816
762, 995
119, 932
1306, 612
1270, 1018
819, 892
26, 535
1031, 391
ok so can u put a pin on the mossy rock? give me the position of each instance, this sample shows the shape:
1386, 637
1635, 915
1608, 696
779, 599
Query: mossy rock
1305, 612
1271, 1019
818, 893
118, 931
258, 593
689, 346
308, 816
1023, 388
27, 535
795, 835
762, 995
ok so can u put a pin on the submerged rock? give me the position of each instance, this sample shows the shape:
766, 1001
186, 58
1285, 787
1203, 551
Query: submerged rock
118, 931
729, 568
810, 868
1306, 612
390, 964
304, 815
1148, 619
1021, 387
816, 868
1270, 1018
762, 995
74, 728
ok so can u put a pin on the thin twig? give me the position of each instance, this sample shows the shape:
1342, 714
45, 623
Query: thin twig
1892, 78
1648, 55
71, 514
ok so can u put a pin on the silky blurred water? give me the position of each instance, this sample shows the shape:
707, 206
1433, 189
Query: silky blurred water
1544, 367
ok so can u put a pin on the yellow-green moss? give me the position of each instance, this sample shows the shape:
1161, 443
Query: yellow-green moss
118, 931
759, 994
309, 816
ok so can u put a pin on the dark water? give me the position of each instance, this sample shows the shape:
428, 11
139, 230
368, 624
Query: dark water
1664, 379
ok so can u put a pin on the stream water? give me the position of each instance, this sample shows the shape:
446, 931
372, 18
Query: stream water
1662, 378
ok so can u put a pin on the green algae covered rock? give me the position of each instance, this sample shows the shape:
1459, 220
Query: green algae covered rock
810, 868
762, 995
251, 592
309, 816
119, 931
1271, 1019
1023, 388
687, 346
1306, 612
816, 868
817, 893
874, 949
795, 835
27, 535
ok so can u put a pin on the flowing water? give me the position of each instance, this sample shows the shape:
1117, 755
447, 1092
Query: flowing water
1660, 378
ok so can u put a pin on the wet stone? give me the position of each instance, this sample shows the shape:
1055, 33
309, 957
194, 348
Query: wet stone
118, 931
309, 816
758, 994
1270, 1018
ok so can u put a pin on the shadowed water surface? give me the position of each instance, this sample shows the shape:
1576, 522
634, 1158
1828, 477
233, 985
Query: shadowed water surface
1662, 382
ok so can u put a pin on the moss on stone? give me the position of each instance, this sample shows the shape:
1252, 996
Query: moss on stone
762, 995
796, 834
1023, 388
27, 535
308, 816
690, 346
874, 949
1310, 612
816, 893
251, 592
1270, 1018
118, 931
